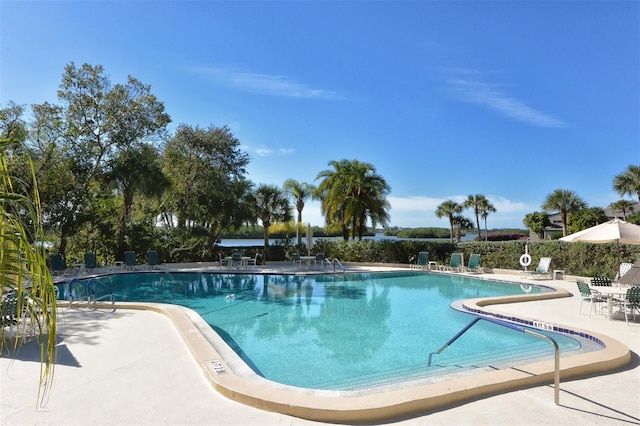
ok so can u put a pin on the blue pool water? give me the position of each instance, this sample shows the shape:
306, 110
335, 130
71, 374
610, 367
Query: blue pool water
327, 332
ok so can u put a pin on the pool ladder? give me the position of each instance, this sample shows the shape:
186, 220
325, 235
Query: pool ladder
333, 264
556, 376
90, 288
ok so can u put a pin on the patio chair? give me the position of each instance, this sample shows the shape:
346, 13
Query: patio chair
152, 259
588, 295
631, 302
600, 281
236, 261
58, 266
319, 260
15, 317
422, 262
90, 262
296, 259
541, 271
253, 261
130, 262
455, 264
474, 264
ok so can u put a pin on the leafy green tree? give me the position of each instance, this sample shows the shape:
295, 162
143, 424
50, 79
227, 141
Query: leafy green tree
628, 182
351, 194
624, 206
536, 222
135, 171
460, 224
585, 218
300, 192
565, 202
209, 190
73, 143
271, 206
450, 209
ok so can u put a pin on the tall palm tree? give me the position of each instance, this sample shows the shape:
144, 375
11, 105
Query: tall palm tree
485, 208
565, 202
476, 202
300, 192
271, 205
351, 194
449, 209
628, 182
623, 206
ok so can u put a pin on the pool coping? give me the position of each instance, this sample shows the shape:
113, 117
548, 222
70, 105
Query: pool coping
354, 407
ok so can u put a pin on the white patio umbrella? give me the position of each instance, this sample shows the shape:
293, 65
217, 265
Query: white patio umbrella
309, 239
615, 230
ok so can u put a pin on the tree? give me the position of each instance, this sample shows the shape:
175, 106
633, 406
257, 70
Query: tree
209, 190
299, 191
485, 208
536, 222
351, 194
585, 218
461, 223
74, 142
623, 206
565, 202
476, 202
449, 209
271, 206
628, 182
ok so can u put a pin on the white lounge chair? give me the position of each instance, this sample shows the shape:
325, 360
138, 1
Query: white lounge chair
541, 270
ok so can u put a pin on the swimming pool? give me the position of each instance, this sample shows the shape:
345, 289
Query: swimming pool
347, 332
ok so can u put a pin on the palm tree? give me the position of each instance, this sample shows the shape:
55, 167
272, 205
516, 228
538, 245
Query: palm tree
350, 194
628, 182
299, 191
449, 209
271, 205
565, 202
485, 208
623, 206
23, 266
476, 202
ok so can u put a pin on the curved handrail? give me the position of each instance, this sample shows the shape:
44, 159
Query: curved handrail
556, 377
102, 285
335, 260
83, 284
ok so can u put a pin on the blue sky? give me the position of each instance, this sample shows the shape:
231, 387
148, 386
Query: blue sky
509, 99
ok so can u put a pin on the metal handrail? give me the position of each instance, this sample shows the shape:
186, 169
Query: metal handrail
556, 376
83, 284
101, 284
335, 260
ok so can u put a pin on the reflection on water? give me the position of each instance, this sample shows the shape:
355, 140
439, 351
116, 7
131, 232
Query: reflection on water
323, 332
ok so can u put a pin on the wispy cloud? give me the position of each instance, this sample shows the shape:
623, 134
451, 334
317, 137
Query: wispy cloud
275, 85
472, 90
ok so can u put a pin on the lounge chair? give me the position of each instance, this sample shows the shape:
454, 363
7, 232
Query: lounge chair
130, 262
542, 269
422, 262
631, 302
58, 266
455, 264
474, 264
623, 269
90, 262
588, 295
152, 259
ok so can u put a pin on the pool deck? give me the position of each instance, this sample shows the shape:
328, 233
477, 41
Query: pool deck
133, 367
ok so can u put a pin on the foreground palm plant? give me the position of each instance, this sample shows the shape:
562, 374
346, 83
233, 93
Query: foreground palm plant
24, 275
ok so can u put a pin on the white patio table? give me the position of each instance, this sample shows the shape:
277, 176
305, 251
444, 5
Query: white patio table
611, 293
